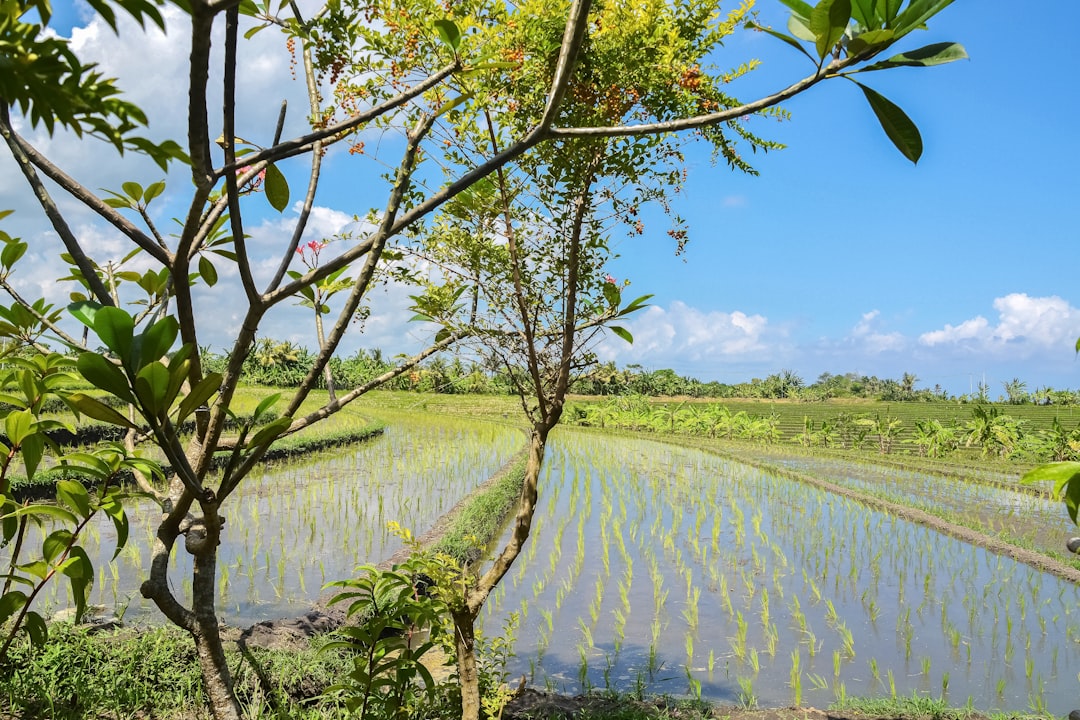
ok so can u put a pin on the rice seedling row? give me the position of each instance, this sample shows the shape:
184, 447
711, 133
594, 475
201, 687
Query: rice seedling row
670, 569
1036, 521
305, 521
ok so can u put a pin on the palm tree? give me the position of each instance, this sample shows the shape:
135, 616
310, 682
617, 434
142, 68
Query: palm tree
1016, 390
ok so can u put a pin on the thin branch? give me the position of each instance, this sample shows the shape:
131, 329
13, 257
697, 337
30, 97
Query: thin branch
363, 280
573, 37
243, 262
93, 202
71, 243
313, 177
29, 307
202, 22
339, 130
715, 118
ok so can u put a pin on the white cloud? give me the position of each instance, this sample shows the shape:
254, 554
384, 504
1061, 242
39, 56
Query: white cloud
867, 336
682, 334
1025, 325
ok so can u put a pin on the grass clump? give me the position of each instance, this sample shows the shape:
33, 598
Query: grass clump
154, 673
480, 520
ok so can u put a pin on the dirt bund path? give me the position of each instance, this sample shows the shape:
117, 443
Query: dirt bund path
974, 537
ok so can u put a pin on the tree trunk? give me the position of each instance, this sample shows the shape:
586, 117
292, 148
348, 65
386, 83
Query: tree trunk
217, 680
327, 373
468, 677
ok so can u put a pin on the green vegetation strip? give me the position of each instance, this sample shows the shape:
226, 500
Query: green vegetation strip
43, 485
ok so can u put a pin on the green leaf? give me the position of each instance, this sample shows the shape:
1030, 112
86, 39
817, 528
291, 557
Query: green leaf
800, 28
153, 190
1059, 473
55, 544
156, 341
51, 511
198, 396
17, 425
635, 305
799, 7
623, 333
450, 105
780, 36
73, 494
84, 311
265, 404
97, 410
277, 188
115, 511
251, 32
104, 375
36, 629
611, 294
33, 448
10, 604
872, 41
828, 21
152, 389
896, 124
78, 565
133, 190
207, 270
12, 252
116, 328
448, 33
269, 432
916, 14
863, 13
935, 54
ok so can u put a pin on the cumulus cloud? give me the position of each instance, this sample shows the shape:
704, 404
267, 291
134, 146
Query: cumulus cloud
1025, 325
681, 334
868, 336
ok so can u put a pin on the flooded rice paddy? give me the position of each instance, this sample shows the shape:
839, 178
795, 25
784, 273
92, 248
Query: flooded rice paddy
296, 524
667, 569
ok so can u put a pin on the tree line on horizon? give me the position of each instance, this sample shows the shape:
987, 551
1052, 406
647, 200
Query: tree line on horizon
284, 364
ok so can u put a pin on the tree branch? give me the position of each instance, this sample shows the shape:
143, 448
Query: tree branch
715, 118
236, 219
363, 280
71, 243
338, 131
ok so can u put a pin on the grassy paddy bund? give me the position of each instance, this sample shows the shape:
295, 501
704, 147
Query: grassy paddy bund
659, 567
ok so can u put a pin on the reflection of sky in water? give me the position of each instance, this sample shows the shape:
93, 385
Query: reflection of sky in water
727, 576
296, 524
1038, 520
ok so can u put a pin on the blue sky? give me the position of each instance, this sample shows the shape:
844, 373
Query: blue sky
841, 256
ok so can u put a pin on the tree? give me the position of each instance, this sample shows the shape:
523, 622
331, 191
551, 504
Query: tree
541, 118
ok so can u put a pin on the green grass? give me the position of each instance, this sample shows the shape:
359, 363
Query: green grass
479, 521
154, 673
916, 706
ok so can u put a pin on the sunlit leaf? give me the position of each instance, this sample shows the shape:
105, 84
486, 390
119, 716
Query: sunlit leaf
896, 124
928, 56
622, 333
97, 410
73, 494
828, 21
104, 375
448, 33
